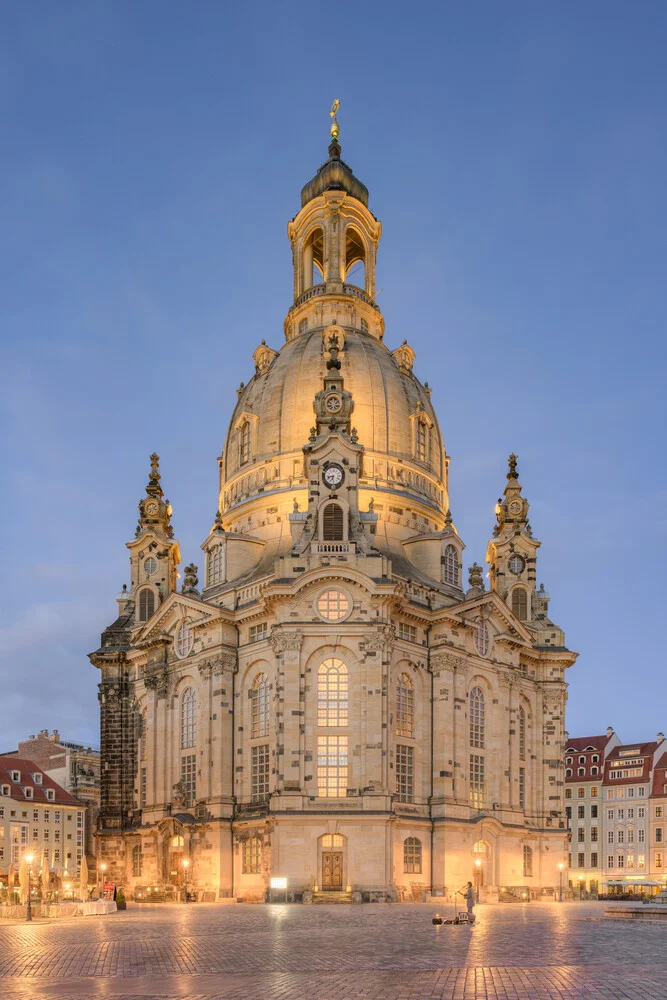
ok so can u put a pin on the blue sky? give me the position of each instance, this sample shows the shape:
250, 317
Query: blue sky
153, 154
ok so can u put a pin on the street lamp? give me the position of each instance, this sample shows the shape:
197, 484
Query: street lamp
100, 887
581, 886
186, 865
29, 860
478, 877
561, 866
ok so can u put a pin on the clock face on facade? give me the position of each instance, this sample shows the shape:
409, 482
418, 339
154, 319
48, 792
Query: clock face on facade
516, 565
333, 476
515, 507
151, 508
333, 404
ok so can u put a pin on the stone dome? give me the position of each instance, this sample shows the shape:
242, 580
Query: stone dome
277, 404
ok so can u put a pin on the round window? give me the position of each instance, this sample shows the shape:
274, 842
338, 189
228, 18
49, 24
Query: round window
150, 566
482, 639
184, 640
333, 605
516, 565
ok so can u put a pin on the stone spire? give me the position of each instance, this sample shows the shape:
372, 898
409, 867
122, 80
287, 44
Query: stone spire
512, 507
154, 509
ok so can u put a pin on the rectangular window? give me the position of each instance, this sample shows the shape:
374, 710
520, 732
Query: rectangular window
620, 836
658, 861
407, 632
522, 787
252, 856
258, 632
594, 792
568, 812
581, 812
658, 812
47, 815
641, 861
631, 836
568, 793
631, 814
259, 772
581, 793
621, 814
56, 835
594, 812
57, 816
404, 773
332, 762
610, 836
610, 813
35, 834
620, 861
640, 792
658, 834
79, 819
641, 812
56, 855
477, 781
527, 860
594, 834
189, 777
630, 861
581, 860
581, 834
610, 861
35, 815
594, 860
142, 788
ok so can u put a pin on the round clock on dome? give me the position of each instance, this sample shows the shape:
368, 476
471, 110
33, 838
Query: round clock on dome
515, 507
516, 565
333, 476
333, 404
151, 508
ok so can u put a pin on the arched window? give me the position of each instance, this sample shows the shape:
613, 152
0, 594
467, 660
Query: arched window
581, 771
520, 604
422, 441
189, 719
582, 759
313, 260
252, 856
137, 861
245, 442
450, 566
355, 259
412, 856
527, 860
146, 604
330, 840
522, 734
477, 721
215, 565
332, 693
332, 523
568, 772
405, 707
259, 701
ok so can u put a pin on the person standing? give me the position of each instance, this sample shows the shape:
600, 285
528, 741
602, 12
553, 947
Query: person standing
469, 896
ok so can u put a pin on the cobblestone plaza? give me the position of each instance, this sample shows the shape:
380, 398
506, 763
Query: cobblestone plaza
517, 952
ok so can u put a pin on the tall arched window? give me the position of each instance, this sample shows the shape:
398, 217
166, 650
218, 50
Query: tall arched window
332, 693
355, 259
332, 523
313, 260
527, 860
215, 565
520, 604
405, 707
188, 719
422, 441
412, 856
146, 604
245, 442
137, 861
259, 700
450, 564
477, 720
522, 734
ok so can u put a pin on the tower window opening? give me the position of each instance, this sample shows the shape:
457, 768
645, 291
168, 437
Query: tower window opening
355, 259
313, 260
520, 604
146, 604
451, 566
245, 442
332, 523
422, 444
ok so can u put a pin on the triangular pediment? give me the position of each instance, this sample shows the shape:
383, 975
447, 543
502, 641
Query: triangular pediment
172, 611
496, 613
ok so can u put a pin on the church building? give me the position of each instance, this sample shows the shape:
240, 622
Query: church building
330, 702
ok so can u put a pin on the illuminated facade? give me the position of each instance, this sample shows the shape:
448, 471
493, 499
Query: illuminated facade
333, 705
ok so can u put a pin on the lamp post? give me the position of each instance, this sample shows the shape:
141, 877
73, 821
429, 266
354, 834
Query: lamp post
581, 886
28, 861
561, 866
478, 877
100, 887
186, 865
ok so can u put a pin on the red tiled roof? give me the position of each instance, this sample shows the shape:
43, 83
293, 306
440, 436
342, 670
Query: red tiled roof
581, 742
27, 768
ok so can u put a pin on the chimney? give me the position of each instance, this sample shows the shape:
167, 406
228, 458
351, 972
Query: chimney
55, 736
661, 737
610, 731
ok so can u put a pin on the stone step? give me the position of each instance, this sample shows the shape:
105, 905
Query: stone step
332, 897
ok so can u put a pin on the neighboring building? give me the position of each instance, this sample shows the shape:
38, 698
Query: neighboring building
38, 817
584, 769
75, 767
658, 821
627, 785
333, 705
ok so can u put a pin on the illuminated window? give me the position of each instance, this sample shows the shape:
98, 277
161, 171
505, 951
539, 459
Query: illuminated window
146, 604
520, 603
477, 781
188, 719
527, 860
332, 693
405, 773
259, 700
245, 442
252, 856
189, 776
332, 523
594, 860
332, 840
594, 792
522, 734
260, 773
568, 793
184, 640
658, 860
405, 706
333, 605
594, 834
137, 861
477, 721
412, 856
581, 793
332, 763
450, 564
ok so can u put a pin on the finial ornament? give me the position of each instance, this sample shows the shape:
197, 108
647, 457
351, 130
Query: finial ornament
511, 461
335, 130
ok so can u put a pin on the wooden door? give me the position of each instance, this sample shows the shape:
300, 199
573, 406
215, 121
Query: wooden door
332, 870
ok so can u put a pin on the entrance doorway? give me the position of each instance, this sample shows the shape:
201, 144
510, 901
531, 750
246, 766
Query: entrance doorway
332, 871
175, 861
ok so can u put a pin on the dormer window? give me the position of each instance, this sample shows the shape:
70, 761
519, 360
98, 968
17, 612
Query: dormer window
6, 790
37, 778
15, 775
28, 792
582, 760
595, 758
568, 760
581, 771
594, 770
50, 795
